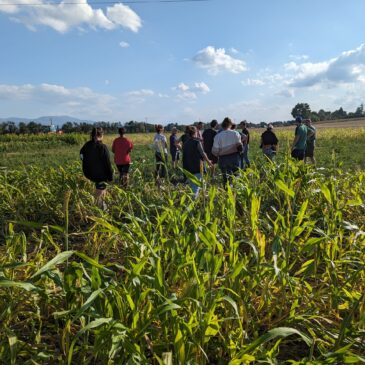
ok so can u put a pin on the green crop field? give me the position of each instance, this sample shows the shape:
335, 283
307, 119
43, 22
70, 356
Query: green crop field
271, 271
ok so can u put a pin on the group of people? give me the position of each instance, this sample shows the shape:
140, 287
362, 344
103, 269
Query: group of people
302, 147
221, 146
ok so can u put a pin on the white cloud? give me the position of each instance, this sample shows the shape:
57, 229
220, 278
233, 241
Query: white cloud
187, 96
233, 50
217, 60
142, 92
254, 82
64, 16
201, 87
349, 67
52, 97
160, 95
182, 87
124, 16
189, 93
124, 44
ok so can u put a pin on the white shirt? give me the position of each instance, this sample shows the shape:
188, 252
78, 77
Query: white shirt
160, 143
226, 143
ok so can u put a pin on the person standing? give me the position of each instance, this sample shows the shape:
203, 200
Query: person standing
160, 145
246, 141
208, 139
121, 148
96, 164
193, 157
311, 141
174, 147
269, 142
227, 146
199, 132
300, 140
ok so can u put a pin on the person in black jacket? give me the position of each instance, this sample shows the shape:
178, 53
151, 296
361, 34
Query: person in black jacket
269, 142
193, 157
96, 164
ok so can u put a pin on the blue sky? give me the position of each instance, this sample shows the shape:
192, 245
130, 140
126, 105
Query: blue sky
181, 62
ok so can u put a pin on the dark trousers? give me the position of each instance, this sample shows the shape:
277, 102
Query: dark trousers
161, 161
298, 154
229, 165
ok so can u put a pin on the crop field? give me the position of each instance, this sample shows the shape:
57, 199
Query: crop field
269, 271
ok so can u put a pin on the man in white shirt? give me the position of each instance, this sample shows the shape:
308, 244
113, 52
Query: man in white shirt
227, 146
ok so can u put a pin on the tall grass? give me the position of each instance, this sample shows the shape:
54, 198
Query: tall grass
270, 271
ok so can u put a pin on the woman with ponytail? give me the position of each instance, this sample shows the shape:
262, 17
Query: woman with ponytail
96, 164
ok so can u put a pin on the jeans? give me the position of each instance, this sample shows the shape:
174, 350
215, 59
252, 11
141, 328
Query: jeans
195, 188
229, 164
244, 161
269, 152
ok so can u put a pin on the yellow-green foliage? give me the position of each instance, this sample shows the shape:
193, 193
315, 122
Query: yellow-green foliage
271, 271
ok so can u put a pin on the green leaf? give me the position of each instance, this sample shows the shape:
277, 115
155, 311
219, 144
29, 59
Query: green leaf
282, 186
193, 178
279, 332
88, 303
16, 284
63, 256
326, 193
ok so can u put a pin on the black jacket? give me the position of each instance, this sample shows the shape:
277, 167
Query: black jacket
269, 138
96, 162
192, 155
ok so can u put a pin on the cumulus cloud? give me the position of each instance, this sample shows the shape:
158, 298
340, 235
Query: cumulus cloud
124, 16
201, 87
64, 16
187, 92
217, 60
124, 44
349, 67
182, 87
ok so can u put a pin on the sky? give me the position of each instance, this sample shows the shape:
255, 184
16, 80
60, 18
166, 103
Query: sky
180, 62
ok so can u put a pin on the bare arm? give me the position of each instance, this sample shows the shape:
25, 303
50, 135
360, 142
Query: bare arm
204, 155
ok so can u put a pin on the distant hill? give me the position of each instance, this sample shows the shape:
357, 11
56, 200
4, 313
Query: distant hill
56, 120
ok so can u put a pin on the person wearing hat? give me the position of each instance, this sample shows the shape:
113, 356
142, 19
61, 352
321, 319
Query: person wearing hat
300, 140
269, 142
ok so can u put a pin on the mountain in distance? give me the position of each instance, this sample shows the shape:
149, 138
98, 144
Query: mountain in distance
46, 120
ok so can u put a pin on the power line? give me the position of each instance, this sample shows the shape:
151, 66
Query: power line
106, 2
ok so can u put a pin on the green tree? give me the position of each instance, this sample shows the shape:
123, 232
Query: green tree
359, 111
301, 109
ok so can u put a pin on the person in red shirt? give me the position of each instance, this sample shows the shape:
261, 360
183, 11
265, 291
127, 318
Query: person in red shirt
121, 148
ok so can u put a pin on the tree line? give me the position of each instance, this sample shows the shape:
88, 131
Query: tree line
305, 111
302, 109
